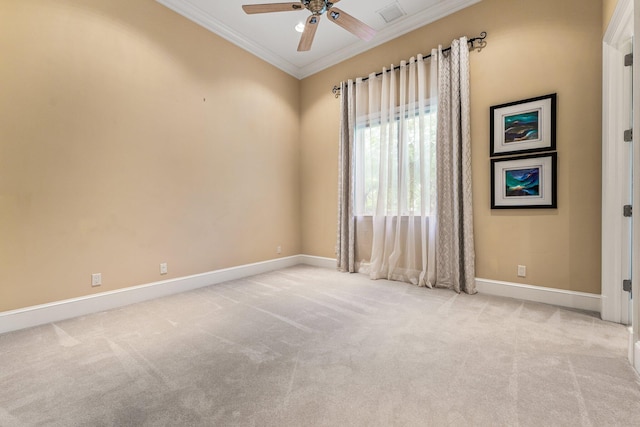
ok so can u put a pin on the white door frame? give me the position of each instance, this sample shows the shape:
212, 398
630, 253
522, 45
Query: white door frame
615, 120
636, 193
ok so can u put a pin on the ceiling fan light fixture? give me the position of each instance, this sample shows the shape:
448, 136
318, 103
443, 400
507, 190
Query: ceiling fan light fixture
317, 7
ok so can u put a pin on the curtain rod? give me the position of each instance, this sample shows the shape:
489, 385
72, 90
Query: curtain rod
476, 43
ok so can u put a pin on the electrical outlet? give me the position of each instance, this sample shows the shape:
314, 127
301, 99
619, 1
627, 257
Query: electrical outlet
96, 279
163, 268
522, 271
279, 249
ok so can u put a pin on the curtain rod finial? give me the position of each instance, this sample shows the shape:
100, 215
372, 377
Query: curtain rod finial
478, 43
336, 91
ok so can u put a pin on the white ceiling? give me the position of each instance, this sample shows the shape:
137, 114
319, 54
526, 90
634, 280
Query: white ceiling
272, 37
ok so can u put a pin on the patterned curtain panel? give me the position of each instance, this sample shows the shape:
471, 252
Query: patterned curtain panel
346, 222
455, 254
405, 164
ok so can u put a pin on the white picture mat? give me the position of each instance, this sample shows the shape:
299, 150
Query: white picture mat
544, 123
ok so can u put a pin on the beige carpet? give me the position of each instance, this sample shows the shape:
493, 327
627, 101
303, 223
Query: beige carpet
312, 347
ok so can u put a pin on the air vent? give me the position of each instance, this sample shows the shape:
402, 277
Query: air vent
391, 12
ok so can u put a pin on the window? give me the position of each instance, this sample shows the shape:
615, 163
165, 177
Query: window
402, 145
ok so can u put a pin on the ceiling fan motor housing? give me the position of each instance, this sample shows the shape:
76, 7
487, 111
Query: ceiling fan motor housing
317, 7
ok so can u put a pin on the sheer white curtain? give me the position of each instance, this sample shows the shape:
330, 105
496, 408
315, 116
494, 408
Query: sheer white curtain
405, 161
399, 108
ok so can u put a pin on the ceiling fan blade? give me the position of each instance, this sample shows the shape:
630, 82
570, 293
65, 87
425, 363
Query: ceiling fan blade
271, 7
309, 33
351, 24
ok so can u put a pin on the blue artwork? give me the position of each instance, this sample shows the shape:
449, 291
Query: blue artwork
521, 127
522, 182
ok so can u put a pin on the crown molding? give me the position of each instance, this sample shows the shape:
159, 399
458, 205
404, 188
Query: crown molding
403, 26
202, 18
406, 25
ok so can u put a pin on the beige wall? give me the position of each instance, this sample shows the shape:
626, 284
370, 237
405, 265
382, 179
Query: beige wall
534, 48
126, 141
130, 136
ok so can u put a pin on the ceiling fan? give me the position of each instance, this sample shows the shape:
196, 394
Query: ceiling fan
317, 9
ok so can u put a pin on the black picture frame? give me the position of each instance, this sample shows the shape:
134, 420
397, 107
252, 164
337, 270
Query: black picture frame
525, 182
521, 127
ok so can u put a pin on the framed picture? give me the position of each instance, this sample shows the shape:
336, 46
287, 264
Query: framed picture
524, 182
524, 126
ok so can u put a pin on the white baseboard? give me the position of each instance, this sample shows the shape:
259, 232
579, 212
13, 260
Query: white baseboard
630, 349
561, 297
317, 261
60, 310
